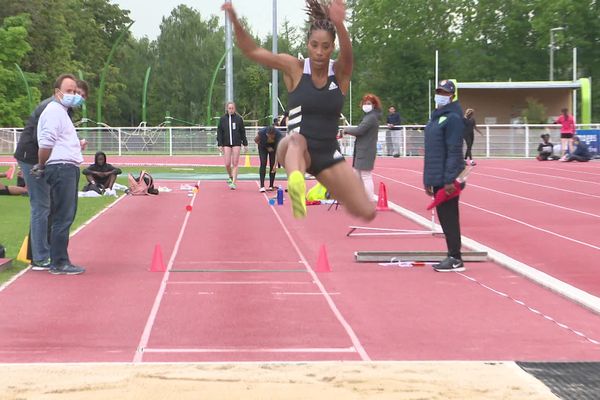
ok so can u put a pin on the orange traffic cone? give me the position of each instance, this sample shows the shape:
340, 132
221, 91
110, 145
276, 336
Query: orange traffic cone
382, 201
157, 260
323, 261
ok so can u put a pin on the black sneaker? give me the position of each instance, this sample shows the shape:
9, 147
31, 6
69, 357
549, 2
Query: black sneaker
67, 269
450, 264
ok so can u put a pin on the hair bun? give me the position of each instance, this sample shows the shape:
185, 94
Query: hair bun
316, 10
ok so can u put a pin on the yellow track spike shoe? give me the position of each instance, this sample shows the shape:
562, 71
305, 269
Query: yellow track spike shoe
297, 192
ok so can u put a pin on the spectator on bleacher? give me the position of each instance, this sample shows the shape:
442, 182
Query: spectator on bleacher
580, 153
546, 149
231, 135
101, 174
26, 155
469, 134
365, 147
567, 131
392, 145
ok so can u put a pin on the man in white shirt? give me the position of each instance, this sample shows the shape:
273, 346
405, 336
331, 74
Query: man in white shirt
59, 159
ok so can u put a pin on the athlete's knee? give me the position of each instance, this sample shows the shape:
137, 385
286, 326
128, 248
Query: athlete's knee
296, 140
367, 212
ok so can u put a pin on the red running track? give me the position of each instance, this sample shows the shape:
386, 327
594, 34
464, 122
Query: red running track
118, 311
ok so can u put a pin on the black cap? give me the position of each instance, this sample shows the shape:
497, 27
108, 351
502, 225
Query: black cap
447, 86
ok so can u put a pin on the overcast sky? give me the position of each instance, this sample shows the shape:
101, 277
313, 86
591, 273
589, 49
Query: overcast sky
148, 14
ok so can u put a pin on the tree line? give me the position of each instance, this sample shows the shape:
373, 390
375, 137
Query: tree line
394, 43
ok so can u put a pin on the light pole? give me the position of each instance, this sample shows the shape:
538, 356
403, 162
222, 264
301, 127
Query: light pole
275, 73
229, 58
560, 28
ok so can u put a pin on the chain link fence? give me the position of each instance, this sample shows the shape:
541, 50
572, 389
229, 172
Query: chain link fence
404, 141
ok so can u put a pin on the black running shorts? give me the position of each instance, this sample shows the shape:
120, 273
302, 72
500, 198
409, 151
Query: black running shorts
323, 154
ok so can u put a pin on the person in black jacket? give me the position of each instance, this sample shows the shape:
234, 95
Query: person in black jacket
101, 174
231, 135
443, 164
267, 140
391, 135
469, 134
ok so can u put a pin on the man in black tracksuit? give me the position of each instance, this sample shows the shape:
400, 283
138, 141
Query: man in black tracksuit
443, 164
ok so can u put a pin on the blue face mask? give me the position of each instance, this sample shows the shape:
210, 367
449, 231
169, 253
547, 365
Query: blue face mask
441, 100
79, 100
69, 100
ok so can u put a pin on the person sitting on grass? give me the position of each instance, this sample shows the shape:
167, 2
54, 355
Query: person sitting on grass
546, 149
101, 174
581, 152
20, 189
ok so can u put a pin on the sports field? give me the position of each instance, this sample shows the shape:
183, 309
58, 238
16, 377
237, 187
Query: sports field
246, 309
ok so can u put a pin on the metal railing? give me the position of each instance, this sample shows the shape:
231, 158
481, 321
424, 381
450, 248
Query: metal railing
406, 140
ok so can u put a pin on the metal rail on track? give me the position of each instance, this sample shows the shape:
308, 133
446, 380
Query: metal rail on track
421, 256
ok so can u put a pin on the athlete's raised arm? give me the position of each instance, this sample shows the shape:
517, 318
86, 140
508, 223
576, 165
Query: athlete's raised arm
285, 63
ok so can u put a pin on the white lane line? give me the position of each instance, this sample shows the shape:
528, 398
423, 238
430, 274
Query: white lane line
95, 217
75, 232
304, 293
536, 201
533, 310
546, 175
579, 172
494, 213
254, 350
574, 294
240, 262
185, 293
13, 279
532, 226
239, 283
355, 341
553, 188
139, 353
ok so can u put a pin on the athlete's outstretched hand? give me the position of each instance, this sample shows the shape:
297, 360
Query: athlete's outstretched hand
337, 11
228, 8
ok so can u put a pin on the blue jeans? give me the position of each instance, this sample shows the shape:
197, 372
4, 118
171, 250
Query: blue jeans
64, 181
39, 201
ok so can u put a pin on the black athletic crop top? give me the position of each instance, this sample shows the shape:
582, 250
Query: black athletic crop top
315, 112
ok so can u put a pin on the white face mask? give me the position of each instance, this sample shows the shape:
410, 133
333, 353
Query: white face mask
441, 101
367, 108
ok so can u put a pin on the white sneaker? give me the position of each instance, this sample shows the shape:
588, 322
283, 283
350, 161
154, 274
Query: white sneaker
262, 189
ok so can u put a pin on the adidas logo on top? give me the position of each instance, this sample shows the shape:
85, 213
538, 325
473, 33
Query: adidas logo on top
333, 86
